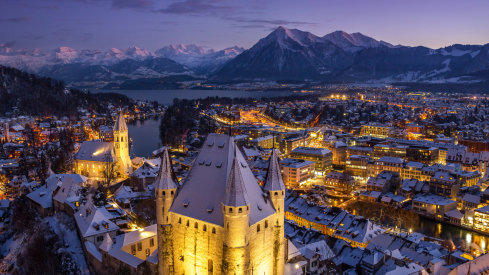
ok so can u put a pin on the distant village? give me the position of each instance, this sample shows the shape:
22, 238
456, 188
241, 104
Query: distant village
331, 183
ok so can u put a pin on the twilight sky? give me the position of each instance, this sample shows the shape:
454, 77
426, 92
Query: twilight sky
152, 24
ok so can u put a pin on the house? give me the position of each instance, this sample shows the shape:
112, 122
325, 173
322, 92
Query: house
470, 201
370, 196
93, 223
433, 205
41, 199
66, 197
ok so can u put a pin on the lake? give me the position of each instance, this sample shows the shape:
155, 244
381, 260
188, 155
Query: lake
166, 97
145, 136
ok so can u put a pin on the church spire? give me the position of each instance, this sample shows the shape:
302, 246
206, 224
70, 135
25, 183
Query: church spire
273, 180
120, 123
166, 177
236, 194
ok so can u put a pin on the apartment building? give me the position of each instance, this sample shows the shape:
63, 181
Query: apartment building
322, 157
433, 205
265, 142
360, 151
357, 166
378, 131
339, 182
444, 185
392, 164
288, 144
296, 171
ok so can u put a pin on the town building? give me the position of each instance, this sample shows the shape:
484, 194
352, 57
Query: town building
323, 158
295, 172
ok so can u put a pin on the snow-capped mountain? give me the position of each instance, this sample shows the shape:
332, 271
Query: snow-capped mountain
287, 53
339, 56
197, 58
353, 42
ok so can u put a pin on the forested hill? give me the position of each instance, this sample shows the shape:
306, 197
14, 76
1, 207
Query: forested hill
26, 94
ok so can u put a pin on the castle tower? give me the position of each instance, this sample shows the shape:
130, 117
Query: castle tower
166, 185
6, 132
121, 144
236, 211
275, 187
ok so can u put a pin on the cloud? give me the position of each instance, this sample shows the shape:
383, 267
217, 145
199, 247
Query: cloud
9, 44
258, 23
16, 19
132, 4
197, 7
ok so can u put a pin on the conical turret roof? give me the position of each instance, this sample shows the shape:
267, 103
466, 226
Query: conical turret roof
236, 194
273, 180
107, 243
166, 177
120, 123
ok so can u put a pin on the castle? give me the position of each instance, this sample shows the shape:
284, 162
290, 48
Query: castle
93, 156
219, 220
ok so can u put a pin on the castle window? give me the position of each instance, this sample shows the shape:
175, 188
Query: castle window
213, 230
204, 228
163, 193
196, 225
188, 222
247, 208
117, 140
163, 210
240, 210
166, 218
210, 266
122, 139
227, 225
172, 193
266, 224
179, 220
140, 246
282, 192
276, 193
151, 242
230, 210
258, 228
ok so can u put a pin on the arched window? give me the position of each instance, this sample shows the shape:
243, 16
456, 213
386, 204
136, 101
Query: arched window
240, 210
276, 193
196, 225
204, 228
122, 139
266, 224
213, 230
210, 266
117, 139
258, 228
230, 210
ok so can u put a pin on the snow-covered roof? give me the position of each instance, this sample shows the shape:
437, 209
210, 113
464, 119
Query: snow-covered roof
204, 188
120, 123
93, 250
68, 191
236, 194
136, 235
44, 194
89, 216
273, 180
166, 176
107, 243
96, 151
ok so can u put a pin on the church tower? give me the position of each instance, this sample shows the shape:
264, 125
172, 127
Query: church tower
275, 187
121, 144
166, 185
236, 211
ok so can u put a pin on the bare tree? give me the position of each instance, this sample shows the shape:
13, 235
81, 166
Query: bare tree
110, 172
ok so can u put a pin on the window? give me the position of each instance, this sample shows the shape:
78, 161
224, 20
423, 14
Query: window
179, 220
151, 242
210, 266
163, 210
100, 238
172, 193
140, 246
133, 249
188, 222
258, 228
148, 252
122, 139
240, 210
230, 210
196, 226
213, 230
266, 224
163, 193
227, 225
276, 193
204, 228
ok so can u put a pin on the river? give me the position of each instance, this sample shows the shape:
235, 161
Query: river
166, 97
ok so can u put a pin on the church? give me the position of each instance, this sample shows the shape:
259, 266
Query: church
219, 220
93, 156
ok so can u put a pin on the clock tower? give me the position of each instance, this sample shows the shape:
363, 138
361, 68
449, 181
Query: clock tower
121, 144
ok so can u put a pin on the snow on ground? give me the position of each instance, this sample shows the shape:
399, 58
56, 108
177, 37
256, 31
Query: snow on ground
70, 238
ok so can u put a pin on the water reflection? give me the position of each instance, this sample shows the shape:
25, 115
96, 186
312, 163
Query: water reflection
467, 240
145, 136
